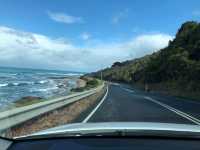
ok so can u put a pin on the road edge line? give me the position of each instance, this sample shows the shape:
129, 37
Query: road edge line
128, 90
95, 109
178, 112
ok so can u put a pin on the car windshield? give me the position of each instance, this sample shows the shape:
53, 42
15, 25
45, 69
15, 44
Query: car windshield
74, 67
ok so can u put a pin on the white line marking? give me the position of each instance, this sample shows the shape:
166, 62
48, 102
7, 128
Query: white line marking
180, 113
95, 109
128, 90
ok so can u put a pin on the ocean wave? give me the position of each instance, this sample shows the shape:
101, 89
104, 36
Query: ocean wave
3, 84
60, 74
74, 74
13, 74
43, 89
20, 83
13, 84
24, 83
42, 82
6, 74
16, 84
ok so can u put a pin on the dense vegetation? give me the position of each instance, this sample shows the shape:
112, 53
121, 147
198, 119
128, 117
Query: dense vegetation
174, 69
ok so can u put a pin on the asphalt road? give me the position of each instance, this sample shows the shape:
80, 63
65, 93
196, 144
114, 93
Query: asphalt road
123, 103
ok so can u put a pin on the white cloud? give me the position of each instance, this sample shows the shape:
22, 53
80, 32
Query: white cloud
23, 49
118, 17
85, 36
64, 18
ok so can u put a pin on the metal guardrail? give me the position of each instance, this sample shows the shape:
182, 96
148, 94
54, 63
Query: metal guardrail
16, 116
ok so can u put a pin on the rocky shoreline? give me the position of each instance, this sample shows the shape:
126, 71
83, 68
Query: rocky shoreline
62, 83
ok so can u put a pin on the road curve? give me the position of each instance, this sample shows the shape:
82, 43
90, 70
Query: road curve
122, 104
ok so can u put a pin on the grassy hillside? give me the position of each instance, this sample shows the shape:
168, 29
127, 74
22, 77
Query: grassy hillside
174, 69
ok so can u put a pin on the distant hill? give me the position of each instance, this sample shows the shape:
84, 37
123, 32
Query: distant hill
174, 69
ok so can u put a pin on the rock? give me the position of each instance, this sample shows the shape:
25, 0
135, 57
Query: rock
80, 83
30, 98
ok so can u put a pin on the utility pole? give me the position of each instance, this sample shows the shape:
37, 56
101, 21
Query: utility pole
101, 75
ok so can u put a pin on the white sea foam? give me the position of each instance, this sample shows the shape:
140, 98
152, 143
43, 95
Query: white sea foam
21, 83
43, 81
16, 84
3, 84
26, 82
74, 74
43, 89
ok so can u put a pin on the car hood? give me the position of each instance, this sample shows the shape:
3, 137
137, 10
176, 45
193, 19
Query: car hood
119, 129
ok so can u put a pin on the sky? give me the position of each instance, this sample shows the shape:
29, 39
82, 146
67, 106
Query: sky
87, 35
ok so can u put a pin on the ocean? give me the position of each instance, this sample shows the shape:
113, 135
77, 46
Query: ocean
16, 83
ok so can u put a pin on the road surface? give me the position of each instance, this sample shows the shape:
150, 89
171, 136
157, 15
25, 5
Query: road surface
124, 104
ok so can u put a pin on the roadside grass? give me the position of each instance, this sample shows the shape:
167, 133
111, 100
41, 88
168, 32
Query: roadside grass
26, 102
21, 103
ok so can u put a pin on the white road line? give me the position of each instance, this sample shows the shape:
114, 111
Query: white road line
95, 109
180, 113
128, 90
